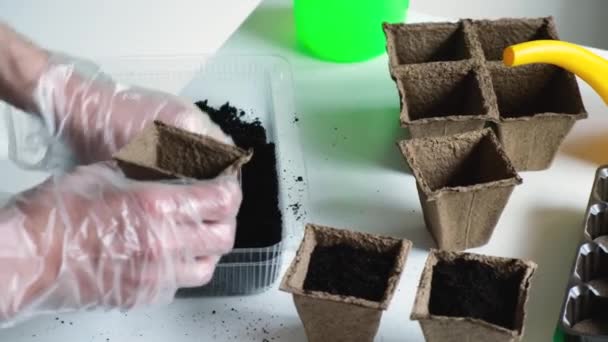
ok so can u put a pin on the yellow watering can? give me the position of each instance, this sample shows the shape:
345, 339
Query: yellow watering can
582, 62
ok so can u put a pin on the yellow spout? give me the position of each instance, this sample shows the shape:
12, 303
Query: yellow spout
582, 62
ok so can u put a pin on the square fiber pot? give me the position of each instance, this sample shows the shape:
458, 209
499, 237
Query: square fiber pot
162, 152
538, 105
496, 35
464, 182
428, 42
446, 99
472, 297
331, 316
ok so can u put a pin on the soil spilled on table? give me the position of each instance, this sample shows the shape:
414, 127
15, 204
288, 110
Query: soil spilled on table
344, 270
259, 222
466, 288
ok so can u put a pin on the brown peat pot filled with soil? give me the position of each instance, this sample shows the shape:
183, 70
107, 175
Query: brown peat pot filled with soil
464, 182
342, 281
472, 297
163, 152
445, 99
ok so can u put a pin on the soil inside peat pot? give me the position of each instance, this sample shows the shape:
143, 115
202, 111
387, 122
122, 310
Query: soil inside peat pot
259, 221
467, 288
344, 270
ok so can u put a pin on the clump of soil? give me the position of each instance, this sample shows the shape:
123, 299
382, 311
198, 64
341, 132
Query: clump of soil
468, 288
259, 221
342, 269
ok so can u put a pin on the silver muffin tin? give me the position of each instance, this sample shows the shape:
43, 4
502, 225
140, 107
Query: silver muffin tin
584, 314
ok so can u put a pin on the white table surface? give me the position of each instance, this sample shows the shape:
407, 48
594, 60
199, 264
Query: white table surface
357, 179
91, 28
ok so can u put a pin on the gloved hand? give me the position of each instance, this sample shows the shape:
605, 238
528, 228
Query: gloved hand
83, 108
97, 116
92, 238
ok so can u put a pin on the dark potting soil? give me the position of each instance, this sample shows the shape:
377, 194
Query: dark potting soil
467, 288
259, 222
344, 270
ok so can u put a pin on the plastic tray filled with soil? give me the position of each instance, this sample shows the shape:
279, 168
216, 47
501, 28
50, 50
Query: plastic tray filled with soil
451, 79
472, 297
251, 98
584, 315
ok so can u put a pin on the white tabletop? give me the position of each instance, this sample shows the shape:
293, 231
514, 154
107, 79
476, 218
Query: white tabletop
356, 179
91, 28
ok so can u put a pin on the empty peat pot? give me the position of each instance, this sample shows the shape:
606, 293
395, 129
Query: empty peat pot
472, 297
445, 99
342, 281
464, 182
538, 105
162, 152
409, 44
495, 35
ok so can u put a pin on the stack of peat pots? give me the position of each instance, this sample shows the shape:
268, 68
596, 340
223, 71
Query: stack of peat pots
474, 123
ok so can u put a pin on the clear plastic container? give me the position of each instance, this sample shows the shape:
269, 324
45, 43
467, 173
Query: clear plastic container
262, 86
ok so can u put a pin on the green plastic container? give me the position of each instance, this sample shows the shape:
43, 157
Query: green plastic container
345, 30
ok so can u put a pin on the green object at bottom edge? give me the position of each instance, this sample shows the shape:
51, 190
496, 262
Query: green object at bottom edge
559, 335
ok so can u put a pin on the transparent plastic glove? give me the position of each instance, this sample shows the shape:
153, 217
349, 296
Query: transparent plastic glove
77, 111
92, 238
96, 116
89, 116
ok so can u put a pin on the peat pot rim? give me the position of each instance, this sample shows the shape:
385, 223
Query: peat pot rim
450, 118
545, 115
431, 194
421, 312
311, 237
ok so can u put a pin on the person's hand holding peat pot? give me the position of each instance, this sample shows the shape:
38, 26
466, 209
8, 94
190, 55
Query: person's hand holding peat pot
90, 237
